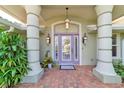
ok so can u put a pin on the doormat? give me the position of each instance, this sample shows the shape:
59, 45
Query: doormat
67, 67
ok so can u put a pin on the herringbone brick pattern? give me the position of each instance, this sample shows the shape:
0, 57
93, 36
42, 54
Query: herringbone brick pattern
82, 77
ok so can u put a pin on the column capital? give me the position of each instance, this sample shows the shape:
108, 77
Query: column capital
103, 8
36, 9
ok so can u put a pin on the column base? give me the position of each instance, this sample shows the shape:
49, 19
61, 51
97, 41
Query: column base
107, 78
33, 79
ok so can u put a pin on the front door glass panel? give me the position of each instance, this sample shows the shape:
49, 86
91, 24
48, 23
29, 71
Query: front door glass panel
66, 48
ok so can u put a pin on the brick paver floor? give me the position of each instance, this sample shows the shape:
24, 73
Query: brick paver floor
82, 77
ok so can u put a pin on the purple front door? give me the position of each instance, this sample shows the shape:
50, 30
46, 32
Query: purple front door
67, 49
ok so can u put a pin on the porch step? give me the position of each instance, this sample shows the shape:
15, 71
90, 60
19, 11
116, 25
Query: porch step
67, 67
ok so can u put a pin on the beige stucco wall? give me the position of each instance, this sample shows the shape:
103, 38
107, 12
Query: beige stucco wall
43, 45
88, 51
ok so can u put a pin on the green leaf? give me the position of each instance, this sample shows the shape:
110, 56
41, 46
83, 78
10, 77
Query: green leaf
2, 53
2, 85
6, 73
13, 72
16, 81
10, 63
2, 69
4, 64
9, 82
14, 48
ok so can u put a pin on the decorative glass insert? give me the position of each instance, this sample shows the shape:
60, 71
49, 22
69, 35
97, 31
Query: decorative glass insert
66, 48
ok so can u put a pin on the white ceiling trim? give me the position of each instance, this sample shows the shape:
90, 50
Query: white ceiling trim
114, 27
16, 25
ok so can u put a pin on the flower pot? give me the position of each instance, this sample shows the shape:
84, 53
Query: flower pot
49, 66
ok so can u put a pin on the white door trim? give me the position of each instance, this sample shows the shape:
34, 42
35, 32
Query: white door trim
80, 38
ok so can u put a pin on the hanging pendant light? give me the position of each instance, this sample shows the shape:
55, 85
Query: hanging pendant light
67, 21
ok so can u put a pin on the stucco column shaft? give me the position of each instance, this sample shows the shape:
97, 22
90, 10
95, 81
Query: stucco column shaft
33, 13
104, 69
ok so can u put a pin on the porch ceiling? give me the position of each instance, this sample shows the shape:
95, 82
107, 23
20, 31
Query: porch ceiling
82, 12
52, 13
118, 11
17, 11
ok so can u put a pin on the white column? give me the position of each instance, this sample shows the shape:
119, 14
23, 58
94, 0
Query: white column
33, 13
104, 69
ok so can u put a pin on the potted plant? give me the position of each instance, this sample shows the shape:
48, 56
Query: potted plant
50, 62
47, 62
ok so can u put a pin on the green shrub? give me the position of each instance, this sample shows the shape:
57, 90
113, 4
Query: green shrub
13, 59
119, 67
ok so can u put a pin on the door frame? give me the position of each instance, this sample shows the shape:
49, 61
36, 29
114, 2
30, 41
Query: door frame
80, 38
72, 59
